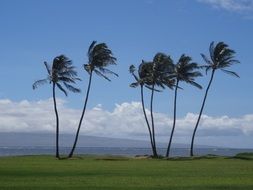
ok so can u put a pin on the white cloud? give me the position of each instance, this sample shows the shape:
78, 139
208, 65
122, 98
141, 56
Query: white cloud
126, 120
231, 5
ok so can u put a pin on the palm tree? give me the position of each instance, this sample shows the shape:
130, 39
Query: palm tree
184, 71
161, 76
141, 80
61, 72
99, 57
152, 74
221, 57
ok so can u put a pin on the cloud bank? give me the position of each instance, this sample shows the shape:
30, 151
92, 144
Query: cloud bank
125, 121
231, 5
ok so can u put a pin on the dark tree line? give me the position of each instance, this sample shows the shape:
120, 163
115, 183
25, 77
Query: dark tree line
156, 75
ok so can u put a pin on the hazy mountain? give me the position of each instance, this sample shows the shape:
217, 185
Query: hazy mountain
66, 140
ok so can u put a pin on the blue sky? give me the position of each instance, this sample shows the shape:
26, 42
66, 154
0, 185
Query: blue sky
37, 31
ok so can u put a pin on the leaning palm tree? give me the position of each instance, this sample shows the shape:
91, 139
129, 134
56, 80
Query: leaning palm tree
60, 73
99, 57
185, 71
151, 75
161, 76
221, 57
143, 71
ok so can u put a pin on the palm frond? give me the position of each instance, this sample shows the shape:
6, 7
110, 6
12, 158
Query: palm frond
76, 78
88, 68
191, 66
91, 47
62, 89
179, 87
194, 84
71, 88
132, 69
206, 59
194, 74
170, 85
231, 73
48, 68
206, 67
184, 59
150, 88
145, 69
228, 63
107, 71
220, 50
60, 63
160, 57
101, 75
66, 79
162, 65
211, 51
38, 83
134, 84
70, 72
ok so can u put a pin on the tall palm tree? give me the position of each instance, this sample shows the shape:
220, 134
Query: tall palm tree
221, 57
161, 76
99, 57
185, 71
141, 80
61, 72
152, 74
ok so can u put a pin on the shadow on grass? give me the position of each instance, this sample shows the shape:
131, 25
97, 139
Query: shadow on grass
208, 156
244, 156
112, 158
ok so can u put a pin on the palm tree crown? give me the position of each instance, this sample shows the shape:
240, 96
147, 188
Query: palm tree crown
163, 68
99, 57
61, 72
185, 70
221, 57
144, 74
158, 72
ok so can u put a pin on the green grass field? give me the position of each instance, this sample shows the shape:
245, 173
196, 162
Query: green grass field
110, 173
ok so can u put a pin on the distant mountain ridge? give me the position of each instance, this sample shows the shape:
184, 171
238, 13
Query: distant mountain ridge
66, 140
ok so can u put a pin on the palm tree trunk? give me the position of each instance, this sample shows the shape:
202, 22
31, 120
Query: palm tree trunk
57, 124
145, 115
81, 119
174, 120
201, 110
152, 120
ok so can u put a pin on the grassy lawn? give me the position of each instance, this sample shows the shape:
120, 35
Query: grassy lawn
110, 173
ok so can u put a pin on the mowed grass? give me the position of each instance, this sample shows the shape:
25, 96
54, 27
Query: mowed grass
111, 173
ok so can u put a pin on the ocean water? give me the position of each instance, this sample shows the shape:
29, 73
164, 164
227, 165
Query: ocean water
124, 151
